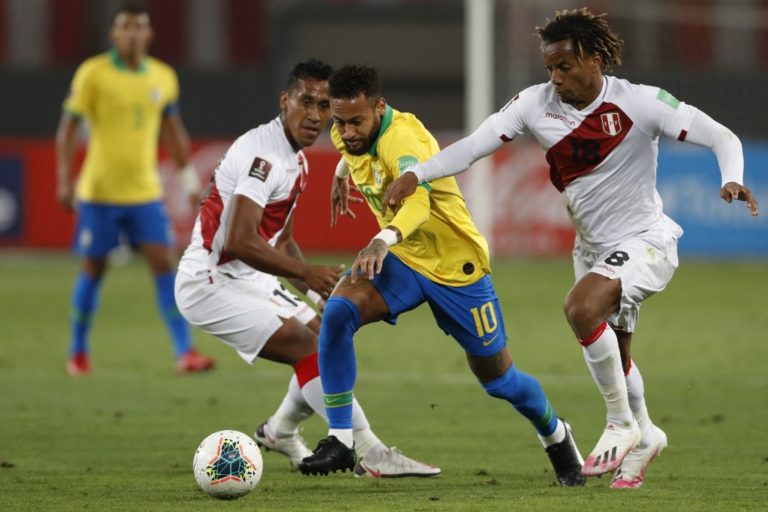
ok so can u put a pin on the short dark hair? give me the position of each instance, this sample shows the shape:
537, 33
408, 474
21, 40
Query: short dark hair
351, 81
311, 68
589, 33
131, 7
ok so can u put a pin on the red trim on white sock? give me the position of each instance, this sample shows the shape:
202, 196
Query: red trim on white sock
306, 369
629, 367
593, 337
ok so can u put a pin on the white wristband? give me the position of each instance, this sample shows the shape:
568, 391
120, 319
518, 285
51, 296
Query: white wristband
313, 296
388, 236
189, 180
342, 171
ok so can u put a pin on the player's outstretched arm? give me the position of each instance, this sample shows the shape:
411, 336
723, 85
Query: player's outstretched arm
733, 191
398, 190
66, 142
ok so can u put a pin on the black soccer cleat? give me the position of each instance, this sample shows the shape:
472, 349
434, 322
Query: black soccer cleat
566, 460
330, 456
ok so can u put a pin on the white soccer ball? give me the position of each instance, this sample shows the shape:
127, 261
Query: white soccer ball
227, 464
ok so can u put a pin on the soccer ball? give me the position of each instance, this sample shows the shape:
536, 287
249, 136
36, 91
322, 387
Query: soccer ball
227, 464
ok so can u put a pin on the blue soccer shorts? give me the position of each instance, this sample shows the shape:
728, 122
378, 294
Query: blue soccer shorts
471, 314
100, 227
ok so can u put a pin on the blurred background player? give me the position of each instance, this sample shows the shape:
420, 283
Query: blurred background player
429, 252
227, 282
601, 136
128, 99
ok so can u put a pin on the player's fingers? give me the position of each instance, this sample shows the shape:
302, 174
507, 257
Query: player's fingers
354, 199
350, 213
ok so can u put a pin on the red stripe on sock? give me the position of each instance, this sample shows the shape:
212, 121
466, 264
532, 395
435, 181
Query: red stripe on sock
628, 367
306, 369
593, 337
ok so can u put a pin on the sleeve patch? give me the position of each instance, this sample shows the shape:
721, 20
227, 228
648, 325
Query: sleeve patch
406, 162
260, 169
667, 98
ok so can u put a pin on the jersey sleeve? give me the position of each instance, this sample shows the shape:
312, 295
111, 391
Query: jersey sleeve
406, 149
172, 104
511, 120
255, 176
82, 91
658, 112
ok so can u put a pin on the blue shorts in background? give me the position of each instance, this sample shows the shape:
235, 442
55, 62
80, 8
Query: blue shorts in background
100, 227
471, 314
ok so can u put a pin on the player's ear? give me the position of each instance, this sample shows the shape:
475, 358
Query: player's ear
381, 106
284, 102
597, 62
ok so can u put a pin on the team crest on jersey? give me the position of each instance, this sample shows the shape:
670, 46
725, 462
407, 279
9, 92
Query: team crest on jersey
154, 95
376, 174
260, 169
611, 123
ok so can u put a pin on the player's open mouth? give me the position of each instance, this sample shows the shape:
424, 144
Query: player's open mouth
309, 129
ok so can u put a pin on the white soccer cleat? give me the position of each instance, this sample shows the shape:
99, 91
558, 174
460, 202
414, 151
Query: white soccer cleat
631, 473
393, 464
292, 446
616, 441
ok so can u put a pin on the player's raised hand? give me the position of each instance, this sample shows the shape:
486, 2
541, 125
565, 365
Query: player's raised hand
732, 191
369, 261
398, 190
322, 278
340, 199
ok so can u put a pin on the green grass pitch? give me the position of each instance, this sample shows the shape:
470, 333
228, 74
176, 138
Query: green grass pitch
123, 438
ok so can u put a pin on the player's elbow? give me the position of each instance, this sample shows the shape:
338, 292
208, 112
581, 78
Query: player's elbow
235, 245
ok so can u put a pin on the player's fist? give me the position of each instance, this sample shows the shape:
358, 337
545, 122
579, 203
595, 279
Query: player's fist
732, 191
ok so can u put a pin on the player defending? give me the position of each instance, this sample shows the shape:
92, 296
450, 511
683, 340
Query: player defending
601, 136
243, 239
429, 252
128, 99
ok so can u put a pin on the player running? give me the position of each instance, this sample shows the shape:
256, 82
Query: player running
243, 239
429, 252
600, 134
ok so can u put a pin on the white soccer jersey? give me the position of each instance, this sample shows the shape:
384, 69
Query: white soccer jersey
263, 166
603, 157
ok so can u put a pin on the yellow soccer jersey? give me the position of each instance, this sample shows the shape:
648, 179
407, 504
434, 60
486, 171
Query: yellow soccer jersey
440, 241
124, 110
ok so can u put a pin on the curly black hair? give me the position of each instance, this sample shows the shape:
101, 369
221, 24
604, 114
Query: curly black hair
311, 68
589, 33
131, 7
350, 81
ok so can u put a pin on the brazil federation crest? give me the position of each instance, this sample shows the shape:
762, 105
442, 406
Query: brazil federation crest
611, 123
376, 174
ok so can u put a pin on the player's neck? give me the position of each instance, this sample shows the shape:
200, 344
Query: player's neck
133, 60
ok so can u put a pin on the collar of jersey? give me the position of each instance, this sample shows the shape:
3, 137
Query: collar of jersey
122, 66
385, 122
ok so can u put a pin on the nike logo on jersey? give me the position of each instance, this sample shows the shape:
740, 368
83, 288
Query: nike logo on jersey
488, 342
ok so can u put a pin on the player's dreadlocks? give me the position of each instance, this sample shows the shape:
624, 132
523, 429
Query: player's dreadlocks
309, 69
589, 33
350, 81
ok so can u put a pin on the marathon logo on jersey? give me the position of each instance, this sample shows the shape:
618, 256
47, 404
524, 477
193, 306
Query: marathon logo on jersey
611, 123
260, 169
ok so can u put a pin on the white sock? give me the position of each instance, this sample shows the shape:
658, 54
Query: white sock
636, 393
344, 435
368, 445
604, 361
312, 392
292, 411
555, 437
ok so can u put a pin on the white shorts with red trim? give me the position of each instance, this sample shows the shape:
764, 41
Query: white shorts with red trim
644, 265
243, 314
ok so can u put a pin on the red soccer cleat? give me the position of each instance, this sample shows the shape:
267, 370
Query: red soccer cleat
192, 362
78, 365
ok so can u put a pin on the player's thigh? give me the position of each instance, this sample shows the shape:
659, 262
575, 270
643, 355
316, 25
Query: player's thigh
97, 230
391, 292
644, 266
147, 224
243, 314
471, 314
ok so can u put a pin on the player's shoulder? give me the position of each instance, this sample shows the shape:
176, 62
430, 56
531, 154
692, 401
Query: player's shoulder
266, 141
160, 67
535, 97
94, 64
405, 125
622, 90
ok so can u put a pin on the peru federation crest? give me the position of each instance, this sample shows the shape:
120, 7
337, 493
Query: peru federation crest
611, 123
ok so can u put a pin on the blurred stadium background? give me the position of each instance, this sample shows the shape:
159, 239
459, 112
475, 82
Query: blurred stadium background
232, 57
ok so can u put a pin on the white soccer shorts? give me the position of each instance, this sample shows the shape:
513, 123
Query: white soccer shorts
243, 314
644, 265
